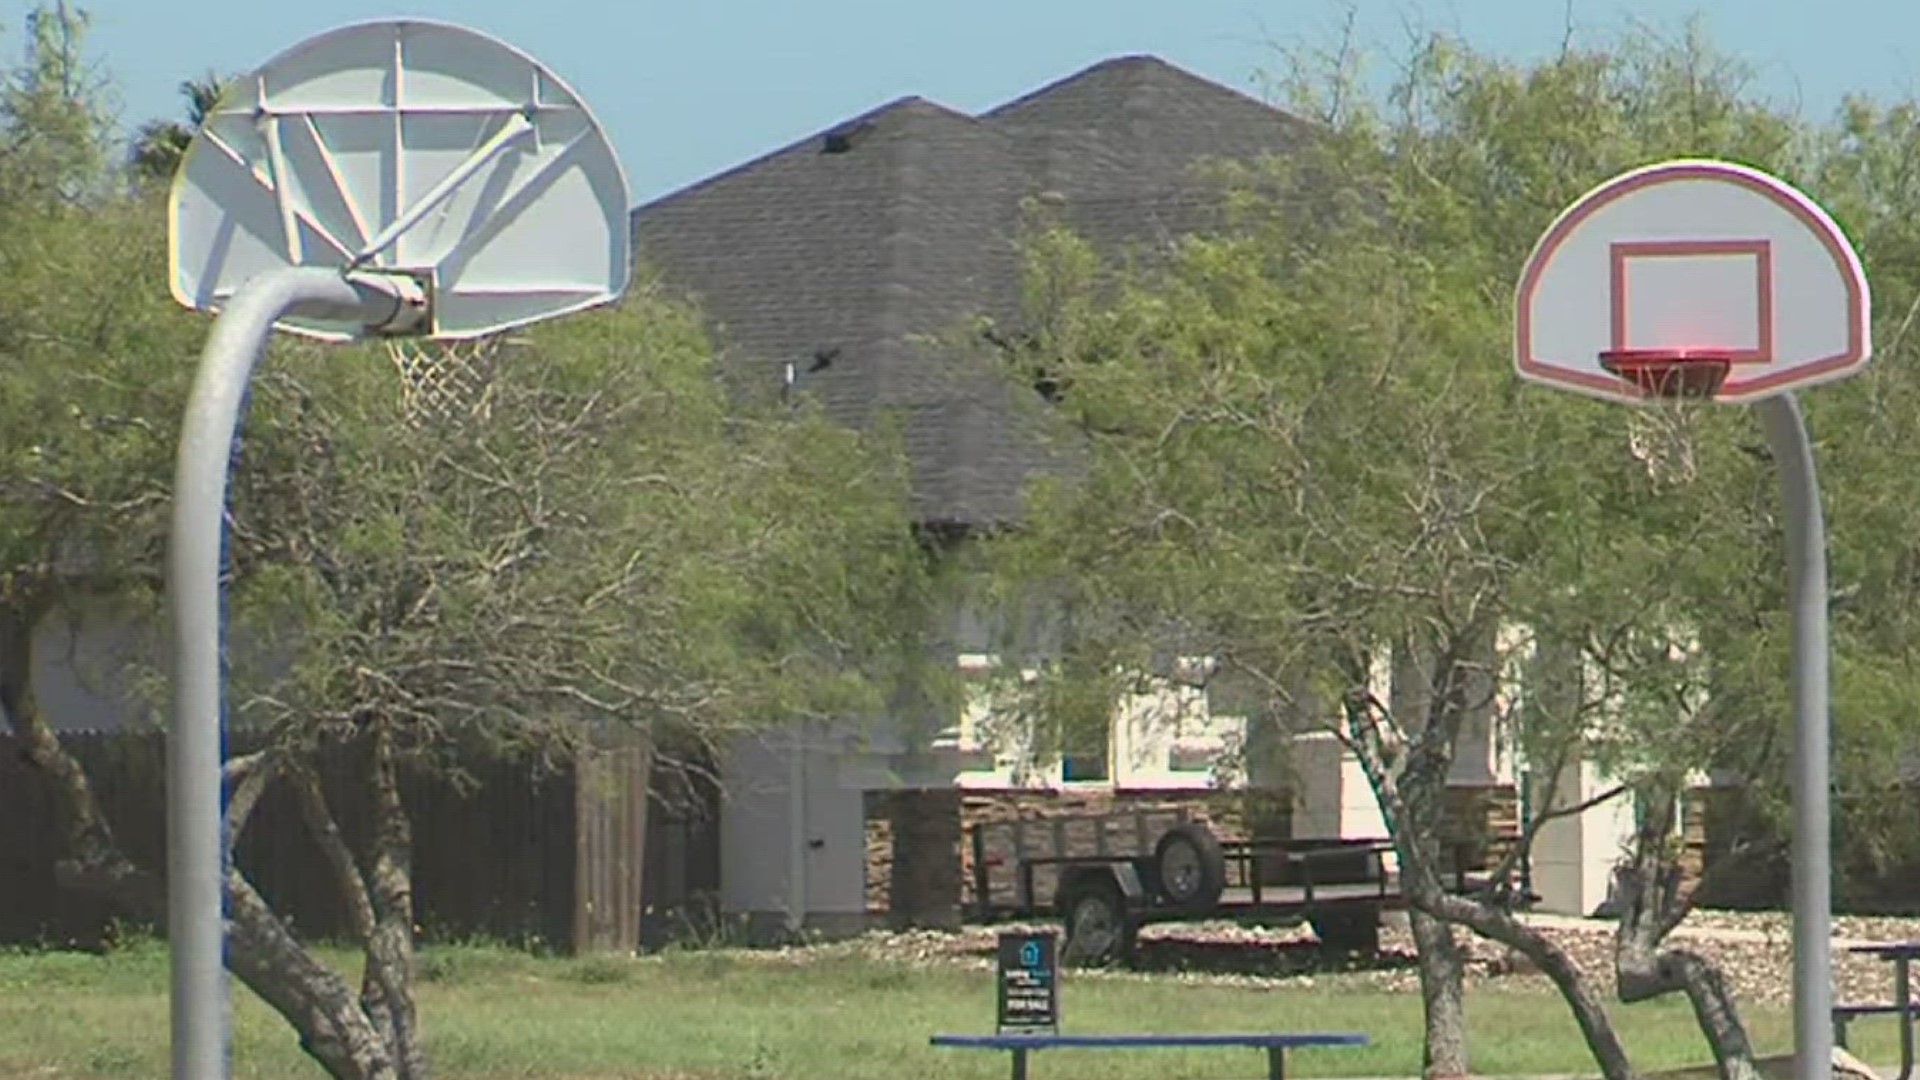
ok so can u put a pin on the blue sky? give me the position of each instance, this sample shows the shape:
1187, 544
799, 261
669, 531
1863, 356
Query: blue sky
692, 87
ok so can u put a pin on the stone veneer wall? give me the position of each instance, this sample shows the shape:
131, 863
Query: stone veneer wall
913, 856
1479, 825
1719, 819
1867, 882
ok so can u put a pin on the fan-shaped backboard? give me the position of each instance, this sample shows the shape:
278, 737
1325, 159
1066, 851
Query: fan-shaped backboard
408, 146
1693, 255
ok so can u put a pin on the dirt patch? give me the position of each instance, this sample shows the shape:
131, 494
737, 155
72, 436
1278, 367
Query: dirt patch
1755, 951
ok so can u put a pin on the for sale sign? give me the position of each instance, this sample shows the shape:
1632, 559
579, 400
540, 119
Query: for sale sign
1029, 983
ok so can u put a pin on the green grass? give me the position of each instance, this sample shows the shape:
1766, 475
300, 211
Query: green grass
491, 1013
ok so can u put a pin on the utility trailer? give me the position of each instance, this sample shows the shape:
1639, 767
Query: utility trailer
1107, 875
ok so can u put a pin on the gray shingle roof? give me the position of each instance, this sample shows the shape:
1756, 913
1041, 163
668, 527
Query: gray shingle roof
855, 245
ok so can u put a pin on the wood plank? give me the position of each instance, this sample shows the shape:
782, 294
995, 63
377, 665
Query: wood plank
1296, 896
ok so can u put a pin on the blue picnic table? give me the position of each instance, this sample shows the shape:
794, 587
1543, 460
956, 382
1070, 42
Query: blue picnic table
1276, 1044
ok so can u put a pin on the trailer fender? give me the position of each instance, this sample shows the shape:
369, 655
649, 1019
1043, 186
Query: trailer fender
1120, 874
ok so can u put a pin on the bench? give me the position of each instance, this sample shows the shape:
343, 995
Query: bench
1901, 954
1276, 1045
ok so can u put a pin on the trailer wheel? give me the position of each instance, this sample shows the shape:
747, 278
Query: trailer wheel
1099, 931
1354, 929
1189, 869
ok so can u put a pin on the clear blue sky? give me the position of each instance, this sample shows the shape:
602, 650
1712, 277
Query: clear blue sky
694, 86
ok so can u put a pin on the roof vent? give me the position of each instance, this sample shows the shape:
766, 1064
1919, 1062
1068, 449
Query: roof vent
842, 140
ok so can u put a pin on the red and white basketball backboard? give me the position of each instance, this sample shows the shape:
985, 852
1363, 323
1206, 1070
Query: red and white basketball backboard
1693, 255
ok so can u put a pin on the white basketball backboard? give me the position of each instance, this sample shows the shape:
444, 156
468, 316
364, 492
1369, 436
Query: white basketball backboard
1693, 255
406, 146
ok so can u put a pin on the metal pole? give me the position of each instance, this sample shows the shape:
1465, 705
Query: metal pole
1903, 997
196, 870
1812, 836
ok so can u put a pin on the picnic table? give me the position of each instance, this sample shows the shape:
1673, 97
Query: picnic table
1275, 1044
1901, 955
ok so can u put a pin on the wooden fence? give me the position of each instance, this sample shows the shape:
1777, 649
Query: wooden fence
554, 859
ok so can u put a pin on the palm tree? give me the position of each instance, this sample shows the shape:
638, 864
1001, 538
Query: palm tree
160, 145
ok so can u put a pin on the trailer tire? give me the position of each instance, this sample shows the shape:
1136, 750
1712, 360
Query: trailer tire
1189, 868
1099, 928
1353, 929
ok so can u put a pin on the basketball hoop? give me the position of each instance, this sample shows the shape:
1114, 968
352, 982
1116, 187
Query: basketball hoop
1661, 260
389, 167
445, 381
1676, 380
1670, 373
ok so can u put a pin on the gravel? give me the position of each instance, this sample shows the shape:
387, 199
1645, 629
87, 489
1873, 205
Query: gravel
1753, 949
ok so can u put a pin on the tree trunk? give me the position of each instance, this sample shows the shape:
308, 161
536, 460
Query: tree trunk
1499, 924
1644, 974
314, 1000
389, 973
1410, 801
90, 859
353, 893
1651, 908
1413, 826
1443, 994
1420, 880
1410, 798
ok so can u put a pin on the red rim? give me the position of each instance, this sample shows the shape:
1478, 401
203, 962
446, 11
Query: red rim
1670, 373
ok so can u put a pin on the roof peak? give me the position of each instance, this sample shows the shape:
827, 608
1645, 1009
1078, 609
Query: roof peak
836, 137
1131, 67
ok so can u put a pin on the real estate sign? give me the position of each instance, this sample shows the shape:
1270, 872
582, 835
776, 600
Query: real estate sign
1029, 983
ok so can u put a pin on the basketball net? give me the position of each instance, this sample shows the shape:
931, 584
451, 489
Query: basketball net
445, 382
1661, 437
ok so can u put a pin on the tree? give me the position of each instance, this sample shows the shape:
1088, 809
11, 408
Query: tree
160, 145
55, 147
1309, 461
619, 550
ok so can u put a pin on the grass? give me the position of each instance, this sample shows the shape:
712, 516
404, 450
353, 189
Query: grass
492, 1013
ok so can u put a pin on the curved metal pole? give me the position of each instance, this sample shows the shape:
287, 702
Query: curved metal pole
196, 871
1812, 827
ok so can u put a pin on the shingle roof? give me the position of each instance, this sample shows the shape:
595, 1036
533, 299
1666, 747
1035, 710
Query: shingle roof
845, 251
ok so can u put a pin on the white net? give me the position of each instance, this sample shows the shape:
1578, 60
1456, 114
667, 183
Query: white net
445, 381
1662, 437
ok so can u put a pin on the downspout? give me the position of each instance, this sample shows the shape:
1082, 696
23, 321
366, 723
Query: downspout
796, 776
797, 831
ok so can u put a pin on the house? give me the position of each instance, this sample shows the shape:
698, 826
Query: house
837, 263
842, 264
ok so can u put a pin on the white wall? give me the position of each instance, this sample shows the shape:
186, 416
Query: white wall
1165, 738
1332, 799
758, 837
89, 662
1574, 857
80, 670
1168, 738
